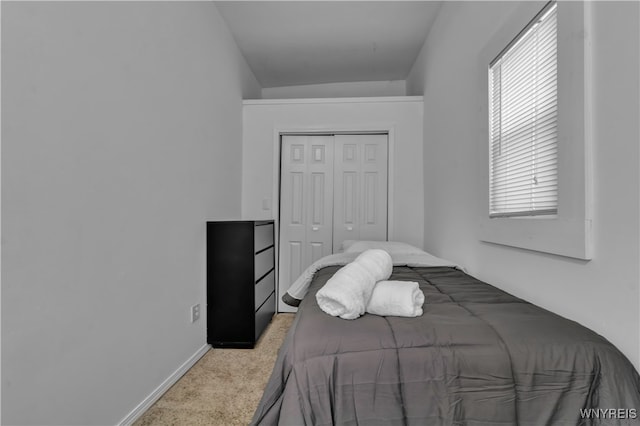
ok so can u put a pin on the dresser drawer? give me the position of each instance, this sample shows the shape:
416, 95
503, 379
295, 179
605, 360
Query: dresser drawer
264, 288
263, 263
263, 236
264, 315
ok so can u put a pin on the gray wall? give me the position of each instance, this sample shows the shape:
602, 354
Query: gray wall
121, 136
602, 294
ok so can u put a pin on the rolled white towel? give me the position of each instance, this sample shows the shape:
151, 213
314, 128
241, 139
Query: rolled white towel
396, 298
378, 262
346, 293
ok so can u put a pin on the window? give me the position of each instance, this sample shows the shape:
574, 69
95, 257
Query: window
523, 127
568, 232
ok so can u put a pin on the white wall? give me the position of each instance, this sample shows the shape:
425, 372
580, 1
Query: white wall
603, 293
260, 162
338, 90
121, 136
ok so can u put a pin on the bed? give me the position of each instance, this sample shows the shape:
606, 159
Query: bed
476, 356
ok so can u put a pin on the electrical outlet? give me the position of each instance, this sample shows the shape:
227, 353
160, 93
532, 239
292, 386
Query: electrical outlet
195, 313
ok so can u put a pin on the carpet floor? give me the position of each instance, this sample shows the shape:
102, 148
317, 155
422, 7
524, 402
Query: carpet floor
223, 387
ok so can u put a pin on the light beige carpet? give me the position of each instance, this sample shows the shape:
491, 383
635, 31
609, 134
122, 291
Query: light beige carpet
223, 387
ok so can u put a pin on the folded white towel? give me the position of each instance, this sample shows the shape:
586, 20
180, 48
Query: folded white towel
347, 293
396, 298
378, 262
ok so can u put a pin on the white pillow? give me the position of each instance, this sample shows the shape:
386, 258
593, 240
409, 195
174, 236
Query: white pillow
391, 247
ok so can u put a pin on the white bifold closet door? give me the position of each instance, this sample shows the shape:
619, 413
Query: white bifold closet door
332, 188
360, 188
306, 205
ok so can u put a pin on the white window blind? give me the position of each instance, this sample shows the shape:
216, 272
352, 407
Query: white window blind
523, 122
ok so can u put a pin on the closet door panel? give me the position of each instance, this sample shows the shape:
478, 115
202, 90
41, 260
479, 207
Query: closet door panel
374, 169
296, 195
295, 258
306, 205
317, 251
319, 232
293, 211
346, 208
360, 211
370, 198
346, 195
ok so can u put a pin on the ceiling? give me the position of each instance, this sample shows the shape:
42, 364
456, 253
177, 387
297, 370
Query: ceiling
288, 43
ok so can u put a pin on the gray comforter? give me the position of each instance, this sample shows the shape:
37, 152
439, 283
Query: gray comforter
477, 356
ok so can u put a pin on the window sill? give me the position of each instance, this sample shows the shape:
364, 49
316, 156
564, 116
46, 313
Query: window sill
569, 238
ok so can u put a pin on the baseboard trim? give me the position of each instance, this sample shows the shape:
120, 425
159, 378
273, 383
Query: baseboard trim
160, 390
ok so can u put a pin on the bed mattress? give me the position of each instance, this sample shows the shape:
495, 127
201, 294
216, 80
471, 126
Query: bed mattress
477, 356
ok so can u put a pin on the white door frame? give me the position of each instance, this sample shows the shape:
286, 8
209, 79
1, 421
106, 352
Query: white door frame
280, 130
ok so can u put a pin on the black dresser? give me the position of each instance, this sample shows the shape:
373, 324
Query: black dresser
240, 281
